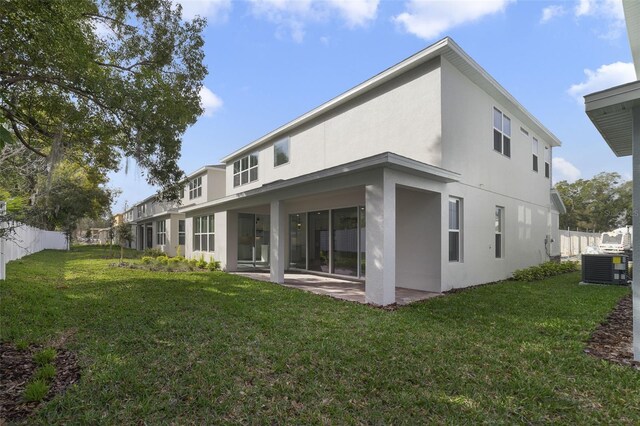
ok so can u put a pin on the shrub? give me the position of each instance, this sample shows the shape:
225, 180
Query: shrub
45, 356
174, 261
36, 390
163, 260
202, 264
544, 270
147, 260
153, 252
193, 263
180, 258
46, 372
214, 265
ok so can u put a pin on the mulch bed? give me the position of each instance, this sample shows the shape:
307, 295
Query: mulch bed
16, 371
612, 340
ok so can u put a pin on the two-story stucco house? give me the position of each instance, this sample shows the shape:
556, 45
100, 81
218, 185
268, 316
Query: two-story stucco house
428, 176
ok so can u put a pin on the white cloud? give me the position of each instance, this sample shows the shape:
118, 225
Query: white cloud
610, 11
292, 16
550, 12
356, 13
209, 101
429, 19
603, 78
216, 10
564, 170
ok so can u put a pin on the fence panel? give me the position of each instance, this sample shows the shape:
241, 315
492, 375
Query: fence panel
27, 240
574, 243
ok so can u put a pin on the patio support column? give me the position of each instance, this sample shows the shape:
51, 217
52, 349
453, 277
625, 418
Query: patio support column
380, 200
635, 146
278, 235
226, 240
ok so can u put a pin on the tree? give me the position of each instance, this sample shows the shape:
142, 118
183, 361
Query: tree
601, 203
93, 81
125, 236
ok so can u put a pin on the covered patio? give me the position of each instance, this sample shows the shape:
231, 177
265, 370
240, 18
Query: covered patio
351, 290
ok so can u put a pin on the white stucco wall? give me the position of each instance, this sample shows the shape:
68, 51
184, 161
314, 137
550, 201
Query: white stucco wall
402, 116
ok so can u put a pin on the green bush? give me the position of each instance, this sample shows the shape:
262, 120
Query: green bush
46, 372
36, 390
45, 356
153, 252
202, 264
174, 261
163, 260
214, 265
193, 263
148, 260
544, 270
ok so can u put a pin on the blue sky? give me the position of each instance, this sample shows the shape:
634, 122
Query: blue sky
270, 61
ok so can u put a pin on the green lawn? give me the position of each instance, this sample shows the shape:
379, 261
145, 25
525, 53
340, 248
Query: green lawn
215, 348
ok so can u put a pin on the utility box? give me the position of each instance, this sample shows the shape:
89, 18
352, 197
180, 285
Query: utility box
605, 269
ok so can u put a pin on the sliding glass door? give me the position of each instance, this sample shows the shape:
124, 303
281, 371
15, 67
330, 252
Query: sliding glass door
253, 239
298, 241
319, 241
344, 259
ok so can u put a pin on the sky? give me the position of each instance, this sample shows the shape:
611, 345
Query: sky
271, 61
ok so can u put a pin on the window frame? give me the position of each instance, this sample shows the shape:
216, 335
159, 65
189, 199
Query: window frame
535, 149
182, 232
547, 162
245, 167
504, 137
499, 232
286, 142
457, 230
204, 232
161, 232
195, 188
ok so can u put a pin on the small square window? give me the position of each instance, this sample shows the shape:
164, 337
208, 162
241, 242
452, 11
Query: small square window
281, 152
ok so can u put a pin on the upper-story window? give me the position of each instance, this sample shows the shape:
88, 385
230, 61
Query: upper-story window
534, 152
281, 152
547, 162
245, 170
142, 209
195, 188
455, 229
501, 132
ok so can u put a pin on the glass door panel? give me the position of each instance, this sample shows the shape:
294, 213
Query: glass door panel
298, 240
246, 238
318, 238
262, 239
345, 241
363, 241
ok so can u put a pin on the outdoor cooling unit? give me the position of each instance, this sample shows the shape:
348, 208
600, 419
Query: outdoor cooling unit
605, 269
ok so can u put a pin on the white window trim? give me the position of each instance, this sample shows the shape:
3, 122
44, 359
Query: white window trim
500, 232
195, 187
201, 233
535, 150
547, 162
248, 170
459, 230
182, 233
501, 130
161, 232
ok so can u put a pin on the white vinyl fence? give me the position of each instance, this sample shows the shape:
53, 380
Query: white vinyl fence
574, 243
27, 240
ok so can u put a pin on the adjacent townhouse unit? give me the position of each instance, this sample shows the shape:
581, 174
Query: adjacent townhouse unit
162, 224
428, 176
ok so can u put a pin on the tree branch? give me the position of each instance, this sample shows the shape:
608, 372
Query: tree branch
22, 141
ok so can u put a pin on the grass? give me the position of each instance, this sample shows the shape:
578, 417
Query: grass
45, 373
36, 390
207, 347
45, 356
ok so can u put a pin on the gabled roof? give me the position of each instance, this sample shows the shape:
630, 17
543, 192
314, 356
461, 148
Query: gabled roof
632, 17
446, 48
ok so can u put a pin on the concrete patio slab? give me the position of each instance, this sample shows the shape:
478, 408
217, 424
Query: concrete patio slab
336, 287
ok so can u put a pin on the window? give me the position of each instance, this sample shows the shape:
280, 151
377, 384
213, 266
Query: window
547, 162
501, 132
499, 232
181, 232
203, 233
142, 209
245, 170
195, 188
161, 232
281, 152
454, 229
534, 151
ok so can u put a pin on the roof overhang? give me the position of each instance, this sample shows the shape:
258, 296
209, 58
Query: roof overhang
446, 48
556, 199
632, 17
387, 159
610, 112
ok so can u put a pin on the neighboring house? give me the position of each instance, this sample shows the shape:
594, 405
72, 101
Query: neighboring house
100, 235
162, 225
616, 114
429, 176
